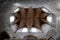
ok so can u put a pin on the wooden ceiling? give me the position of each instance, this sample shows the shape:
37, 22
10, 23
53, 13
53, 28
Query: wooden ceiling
30, 17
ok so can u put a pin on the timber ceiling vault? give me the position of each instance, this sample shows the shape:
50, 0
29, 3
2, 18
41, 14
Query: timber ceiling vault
30, 17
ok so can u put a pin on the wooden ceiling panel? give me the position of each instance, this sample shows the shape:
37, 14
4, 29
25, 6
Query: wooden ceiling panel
30, 17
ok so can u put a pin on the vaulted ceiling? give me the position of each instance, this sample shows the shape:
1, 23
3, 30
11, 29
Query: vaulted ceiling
30, 17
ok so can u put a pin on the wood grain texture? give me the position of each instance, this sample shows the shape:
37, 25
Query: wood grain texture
36, 18
22, 22
30, 16
23, 13
43, 17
